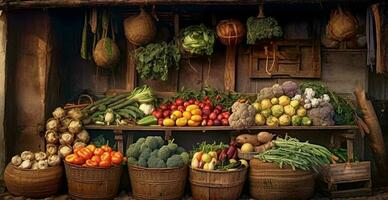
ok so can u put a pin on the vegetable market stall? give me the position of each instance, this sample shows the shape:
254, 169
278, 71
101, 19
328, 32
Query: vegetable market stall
260, 82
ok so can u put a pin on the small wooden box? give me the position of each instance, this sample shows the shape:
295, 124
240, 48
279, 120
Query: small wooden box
347, 179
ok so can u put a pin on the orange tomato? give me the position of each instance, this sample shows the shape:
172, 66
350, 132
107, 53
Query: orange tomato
196, 112
196, 118
193, 123
187, 115
98, 151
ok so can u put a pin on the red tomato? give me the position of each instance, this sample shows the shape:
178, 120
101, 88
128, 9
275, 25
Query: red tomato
187, 103
210, 122
213, 116
191, 101
217, 122
220, 107
160, 121
220, 117
225, 122
179, 101
166, 113
158, 114
181, 108
163, 106
226, 115
174, 107
217, 111
206, 111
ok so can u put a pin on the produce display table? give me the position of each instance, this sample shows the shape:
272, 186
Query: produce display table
346, 131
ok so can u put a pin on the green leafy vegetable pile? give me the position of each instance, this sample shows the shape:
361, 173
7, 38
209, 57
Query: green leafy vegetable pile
154, 60
266, 28
198, 40
298, 155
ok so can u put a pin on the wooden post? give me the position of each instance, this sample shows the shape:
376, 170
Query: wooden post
230, 69
131, 67
3, 42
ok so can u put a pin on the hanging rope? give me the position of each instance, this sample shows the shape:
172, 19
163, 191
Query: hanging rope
269, 70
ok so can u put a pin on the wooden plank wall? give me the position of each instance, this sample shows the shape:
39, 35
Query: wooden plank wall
28, 66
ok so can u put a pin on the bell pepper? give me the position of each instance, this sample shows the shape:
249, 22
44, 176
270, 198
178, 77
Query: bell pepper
85, 153
91, 163
70, 158
96, 158
78, 160
106, 160
106, 148
76, 150
91, 147
98, 152
117, 157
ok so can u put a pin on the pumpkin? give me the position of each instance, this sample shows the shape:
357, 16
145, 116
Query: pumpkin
106, 53
230, 32
342, 25
140, 29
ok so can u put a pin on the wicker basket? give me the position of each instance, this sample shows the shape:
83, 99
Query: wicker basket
213, 185
157, 183
230, 32
268, 181
33, 183
92, 183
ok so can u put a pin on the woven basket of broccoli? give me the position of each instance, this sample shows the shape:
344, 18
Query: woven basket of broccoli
157, 168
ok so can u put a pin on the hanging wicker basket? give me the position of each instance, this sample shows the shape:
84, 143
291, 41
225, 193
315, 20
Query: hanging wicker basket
230, 32
342, 25
140, 29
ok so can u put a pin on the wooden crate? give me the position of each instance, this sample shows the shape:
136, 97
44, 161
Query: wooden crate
347, 179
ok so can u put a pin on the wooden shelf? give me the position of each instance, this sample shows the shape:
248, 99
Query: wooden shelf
217, 128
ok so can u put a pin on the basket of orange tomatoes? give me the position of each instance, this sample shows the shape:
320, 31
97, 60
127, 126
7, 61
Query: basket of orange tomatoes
93, 172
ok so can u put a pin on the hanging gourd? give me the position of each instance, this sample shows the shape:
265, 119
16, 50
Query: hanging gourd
342, 25
104, 49
106, 53
230, 33
140, 29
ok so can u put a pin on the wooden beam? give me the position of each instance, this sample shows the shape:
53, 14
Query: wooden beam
3, 42
17, 4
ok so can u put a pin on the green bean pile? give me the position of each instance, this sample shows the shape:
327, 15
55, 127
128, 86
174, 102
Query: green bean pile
298, 155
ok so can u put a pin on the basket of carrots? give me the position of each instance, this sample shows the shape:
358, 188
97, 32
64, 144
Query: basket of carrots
93, 172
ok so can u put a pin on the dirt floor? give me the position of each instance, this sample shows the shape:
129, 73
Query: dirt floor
378, 194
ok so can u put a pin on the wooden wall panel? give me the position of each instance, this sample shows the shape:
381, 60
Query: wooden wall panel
27, 80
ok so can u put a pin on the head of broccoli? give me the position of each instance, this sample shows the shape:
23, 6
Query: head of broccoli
175, 161
133, 151
164, 153
155, 162
132, 161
